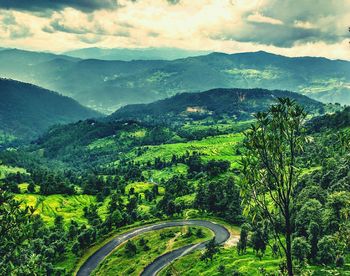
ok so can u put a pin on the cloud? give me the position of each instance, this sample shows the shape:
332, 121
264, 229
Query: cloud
43, 5
288, 23
259, 18
12, 29
288, 27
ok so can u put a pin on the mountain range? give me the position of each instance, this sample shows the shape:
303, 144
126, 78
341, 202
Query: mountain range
107, 85
127, 54
26, 110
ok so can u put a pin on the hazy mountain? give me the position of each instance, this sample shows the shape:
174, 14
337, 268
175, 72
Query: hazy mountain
27, 110
126, 54
107, 85
238, 103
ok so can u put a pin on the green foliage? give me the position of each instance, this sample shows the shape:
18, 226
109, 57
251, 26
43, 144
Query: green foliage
211, 249
130, 249
243, 239
326, 250
27, 110
270, 175
301, 249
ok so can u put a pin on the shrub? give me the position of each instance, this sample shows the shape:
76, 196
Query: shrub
326, 250
300, 249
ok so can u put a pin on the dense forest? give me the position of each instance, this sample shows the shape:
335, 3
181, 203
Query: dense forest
26, 111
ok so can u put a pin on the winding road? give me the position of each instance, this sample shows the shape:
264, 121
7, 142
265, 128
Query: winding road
221, 235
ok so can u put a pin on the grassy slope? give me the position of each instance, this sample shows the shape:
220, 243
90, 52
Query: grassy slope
219, 147
247, 264
71, 207
118, 263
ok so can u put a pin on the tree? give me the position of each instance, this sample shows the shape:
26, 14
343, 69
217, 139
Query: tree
326, 250
314, 235
259, 240
270, 173
130, 249
210, 250
243, 239
300, 249
18, 240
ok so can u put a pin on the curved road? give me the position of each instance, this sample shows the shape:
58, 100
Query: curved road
221, 235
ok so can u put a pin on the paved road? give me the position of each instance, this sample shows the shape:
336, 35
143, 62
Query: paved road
221, 235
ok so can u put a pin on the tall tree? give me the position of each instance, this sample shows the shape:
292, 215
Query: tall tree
270, 168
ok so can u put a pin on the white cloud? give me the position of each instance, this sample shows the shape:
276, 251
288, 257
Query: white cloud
259, 18
284, 27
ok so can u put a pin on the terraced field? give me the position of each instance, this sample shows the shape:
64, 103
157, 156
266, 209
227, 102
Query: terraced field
69, 207
222, 147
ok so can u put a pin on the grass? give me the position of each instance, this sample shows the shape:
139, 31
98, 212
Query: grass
166, 173
142, 187
119, 263
69, 207
247, 264
5, 170
222, 147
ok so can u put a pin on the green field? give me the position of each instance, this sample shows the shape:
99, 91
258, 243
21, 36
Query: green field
222, 147
69, 207
159, 242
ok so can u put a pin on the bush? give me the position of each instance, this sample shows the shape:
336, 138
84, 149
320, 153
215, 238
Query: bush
326, 250
300, 249
221, 269
340, 261
130, 249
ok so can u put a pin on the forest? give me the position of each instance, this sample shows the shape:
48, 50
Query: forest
281, 177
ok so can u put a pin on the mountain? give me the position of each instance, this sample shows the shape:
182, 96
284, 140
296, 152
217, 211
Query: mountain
127, 54
107, 85
216, 103
27, 110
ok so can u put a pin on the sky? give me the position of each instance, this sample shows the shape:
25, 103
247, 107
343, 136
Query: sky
287, 27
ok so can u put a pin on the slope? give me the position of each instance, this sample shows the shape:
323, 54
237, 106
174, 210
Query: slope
27, 110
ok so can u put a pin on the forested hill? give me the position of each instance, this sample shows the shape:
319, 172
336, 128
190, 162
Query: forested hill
220, 103
107, 85
337, 120
27, 110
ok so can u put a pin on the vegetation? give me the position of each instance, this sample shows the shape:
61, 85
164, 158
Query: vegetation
26, 111
79, 184
270, 172
138, 252
107, 85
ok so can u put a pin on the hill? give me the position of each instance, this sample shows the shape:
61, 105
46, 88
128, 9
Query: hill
107, 85
27, 110
127, 54
240, 104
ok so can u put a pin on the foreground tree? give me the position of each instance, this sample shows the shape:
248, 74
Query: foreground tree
270, 173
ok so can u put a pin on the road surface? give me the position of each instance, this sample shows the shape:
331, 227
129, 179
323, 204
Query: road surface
221, 235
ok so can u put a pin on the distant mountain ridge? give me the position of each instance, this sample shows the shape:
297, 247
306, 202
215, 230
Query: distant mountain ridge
126, 54
238, 103
108, 85
27, 110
